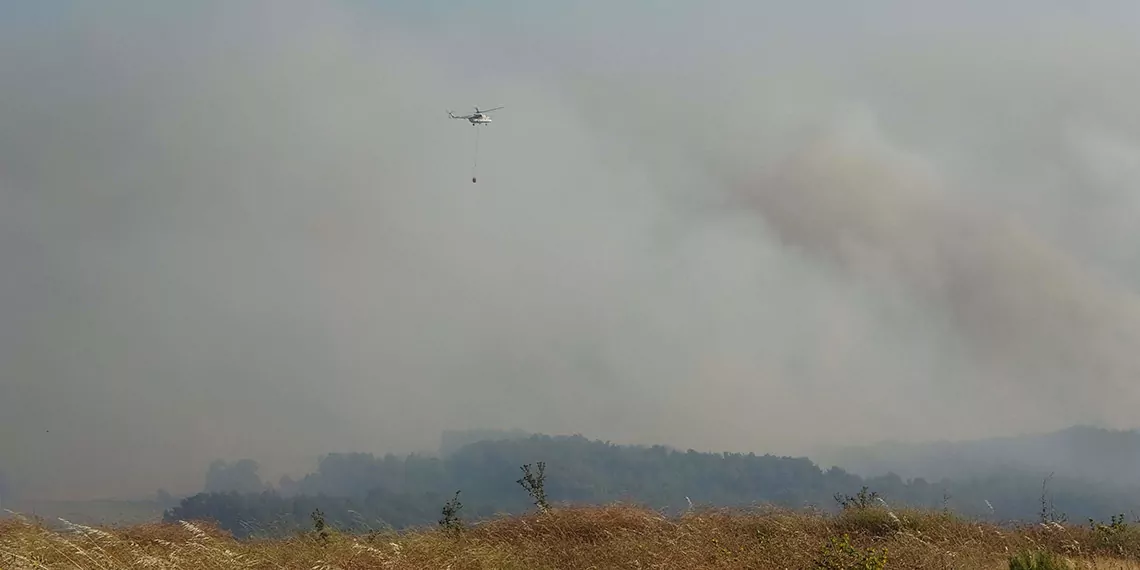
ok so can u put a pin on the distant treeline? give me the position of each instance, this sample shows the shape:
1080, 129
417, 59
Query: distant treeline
360, 491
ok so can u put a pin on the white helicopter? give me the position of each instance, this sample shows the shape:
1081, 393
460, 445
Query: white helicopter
478, 118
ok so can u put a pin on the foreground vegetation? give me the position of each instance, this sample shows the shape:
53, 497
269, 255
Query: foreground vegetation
862, 535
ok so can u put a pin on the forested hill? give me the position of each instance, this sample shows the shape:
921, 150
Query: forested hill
363, 491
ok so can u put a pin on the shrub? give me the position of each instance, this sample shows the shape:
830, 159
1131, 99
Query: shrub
840, 554
1038, 560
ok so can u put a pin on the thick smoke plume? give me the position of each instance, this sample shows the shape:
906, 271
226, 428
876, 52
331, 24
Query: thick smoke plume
1042, 327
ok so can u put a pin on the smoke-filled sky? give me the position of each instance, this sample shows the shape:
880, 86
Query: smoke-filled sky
248, 229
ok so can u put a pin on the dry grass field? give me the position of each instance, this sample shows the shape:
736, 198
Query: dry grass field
583, 538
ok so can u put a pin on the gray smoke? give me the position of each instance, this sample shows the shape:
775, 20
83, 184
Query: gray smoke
1052, 340
233, 231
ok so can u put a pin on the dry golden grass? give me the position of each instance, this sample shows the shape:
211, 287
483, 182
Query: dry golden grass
576, 538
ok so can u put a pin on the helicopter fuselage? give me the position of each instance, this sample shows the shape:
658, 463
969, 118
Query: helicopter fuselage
479, 119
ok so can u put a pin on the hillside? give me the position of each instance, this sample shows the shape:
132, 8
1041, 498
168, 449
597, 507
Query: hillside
608, 537
1079, 452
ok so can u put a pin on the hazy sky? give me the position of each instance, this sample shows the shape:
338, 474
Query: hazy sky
248, 229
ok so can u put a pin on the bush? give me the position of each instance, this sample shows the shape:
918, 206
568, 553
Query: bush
1038, 560
840, 554
870, 521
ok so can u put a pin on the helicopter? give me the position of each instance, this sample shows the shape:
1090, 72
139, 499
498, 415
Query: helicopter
478, 118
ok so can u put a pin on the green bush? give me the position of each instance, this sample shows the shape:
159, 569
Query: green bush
1038, 560
840, 554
